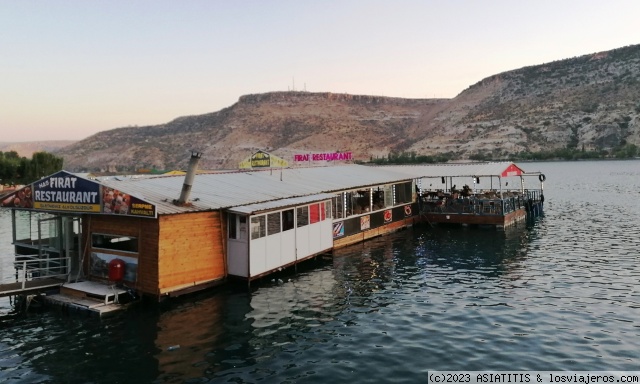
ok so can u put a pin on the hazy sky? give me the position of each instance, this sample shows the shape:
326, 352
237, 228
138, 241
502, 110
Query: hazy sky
69, 69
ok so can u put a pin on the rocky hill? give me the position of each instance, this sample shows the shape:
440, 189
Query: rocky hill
590, 102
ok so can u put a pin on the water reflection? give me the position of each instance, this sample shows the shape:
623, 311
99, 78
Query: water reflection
54, 347
561, 294
280, 328
421, 251
201, 336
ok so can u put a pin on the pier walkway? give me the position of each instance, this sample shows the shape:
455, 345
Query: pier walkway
30, 287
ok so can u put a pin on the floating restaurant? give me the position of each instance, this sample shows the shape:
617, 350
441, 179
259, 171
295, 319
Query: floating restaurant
101, 241
476, 193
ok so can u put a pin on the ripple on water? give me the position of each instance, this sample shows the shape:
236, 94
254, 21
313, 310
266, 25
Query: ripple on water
560, 294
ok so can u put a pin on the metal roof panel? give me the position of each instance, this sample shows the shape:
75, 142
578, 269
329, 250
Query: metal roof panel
282, 203
232, 189
452, 170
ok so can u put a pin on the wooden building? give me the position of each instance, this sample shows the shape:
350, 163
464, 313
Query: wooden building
162, 236
242, 224
496, 194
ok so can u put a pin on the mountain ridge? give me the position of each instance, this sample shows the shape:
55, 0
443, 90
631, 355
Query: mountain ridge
588, 102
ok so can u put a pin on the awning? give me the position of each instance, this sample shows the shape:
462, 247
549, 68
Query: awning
278, 204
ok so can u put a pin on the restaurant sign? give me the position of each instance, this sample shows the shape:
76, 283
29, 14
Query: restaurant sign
327, 156
262, 159
66, 192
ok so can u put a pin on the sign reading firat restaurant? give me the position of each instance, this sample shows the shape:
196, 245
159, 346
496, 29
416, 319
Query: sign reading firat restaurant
66, 192
63, 192
326, 156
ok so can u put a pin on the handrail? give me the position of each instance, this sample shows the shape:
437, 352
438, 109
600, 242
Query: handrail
35, 267
480, 205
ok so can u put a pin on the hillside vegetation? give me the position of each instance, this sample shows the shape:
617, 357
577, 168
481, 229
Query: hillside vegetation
588, 104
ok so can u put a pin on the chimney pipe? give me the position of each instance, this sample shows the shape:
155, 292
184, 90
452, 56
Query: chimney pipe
188, 179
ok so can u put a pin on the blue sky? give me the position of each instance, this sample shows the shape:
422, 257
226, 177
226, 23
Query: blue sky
69, 69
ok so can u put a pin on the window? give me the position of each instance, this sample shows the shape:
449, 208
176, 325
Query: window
327, 206
287, 220
273, 223
403, 193
314, 213
233, 227
303, 216
350, 203
114, 242
243, 227
388, 196
338, 206
378, 198
361, 201
237, 226
258, 227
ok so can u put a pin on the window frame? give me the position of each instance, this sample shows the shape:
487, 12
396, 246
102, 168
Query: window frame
134, 239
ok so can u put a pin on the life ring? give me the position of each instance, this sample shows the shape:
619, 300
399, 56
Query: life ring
542, 177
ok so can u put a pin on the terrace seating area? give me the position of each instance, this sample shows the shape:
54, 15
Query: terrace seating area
483, 202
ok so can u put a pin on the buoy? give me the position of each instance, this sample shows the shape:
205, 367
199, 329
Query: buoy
116, 270
542, 177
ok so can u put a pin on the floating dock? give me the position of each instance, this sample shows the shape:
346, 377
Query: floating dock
171, 235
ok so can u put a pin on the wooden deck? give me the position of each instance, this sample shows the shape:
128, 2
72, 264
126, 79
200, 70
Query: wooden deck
32, 286
91, 297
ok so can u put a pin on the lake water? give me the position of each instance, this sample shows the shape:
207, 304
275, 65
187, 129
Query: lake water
562, 293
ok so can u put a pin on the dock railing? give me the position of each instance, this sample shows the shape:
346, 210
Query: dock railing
479, 204
31, 269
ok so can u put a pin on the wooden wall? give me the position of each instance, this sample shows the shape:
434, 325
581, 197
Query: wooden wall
471, 219
146, 230
191, 251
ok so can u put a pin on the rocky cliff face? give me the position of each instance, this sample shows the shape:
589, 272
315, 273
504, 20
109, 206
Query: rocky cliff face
590, 102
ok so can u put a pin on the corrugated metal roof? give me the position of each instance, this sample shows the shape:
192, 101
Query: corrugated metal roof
452, 170
233, 189
276, 204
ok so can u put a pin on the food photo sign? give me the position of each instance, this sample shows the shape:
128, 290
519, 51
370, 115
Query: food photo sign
66, 192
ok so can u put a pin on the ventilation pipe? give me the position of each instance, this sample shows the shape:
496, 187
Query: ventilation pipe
188, 179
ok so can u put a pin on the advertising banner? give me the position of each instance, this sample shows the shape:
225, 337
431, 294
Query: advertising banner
66, 192
328, 156
262, 159
63, 191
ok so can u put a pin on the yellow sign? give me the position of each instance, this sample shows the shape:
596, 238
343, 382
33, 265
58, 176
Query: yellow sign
67, 207
262, 159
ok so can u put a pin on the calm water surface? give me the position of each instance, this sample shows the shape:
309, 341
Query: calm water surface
559, 294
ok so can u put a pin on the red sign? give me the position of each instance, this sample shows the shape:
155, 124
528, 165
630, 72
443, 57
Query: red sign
512, 170
327, 156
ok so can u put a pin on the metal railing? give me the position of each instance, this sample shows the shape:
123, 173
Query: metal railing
480, 205
36, 267
534, 194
